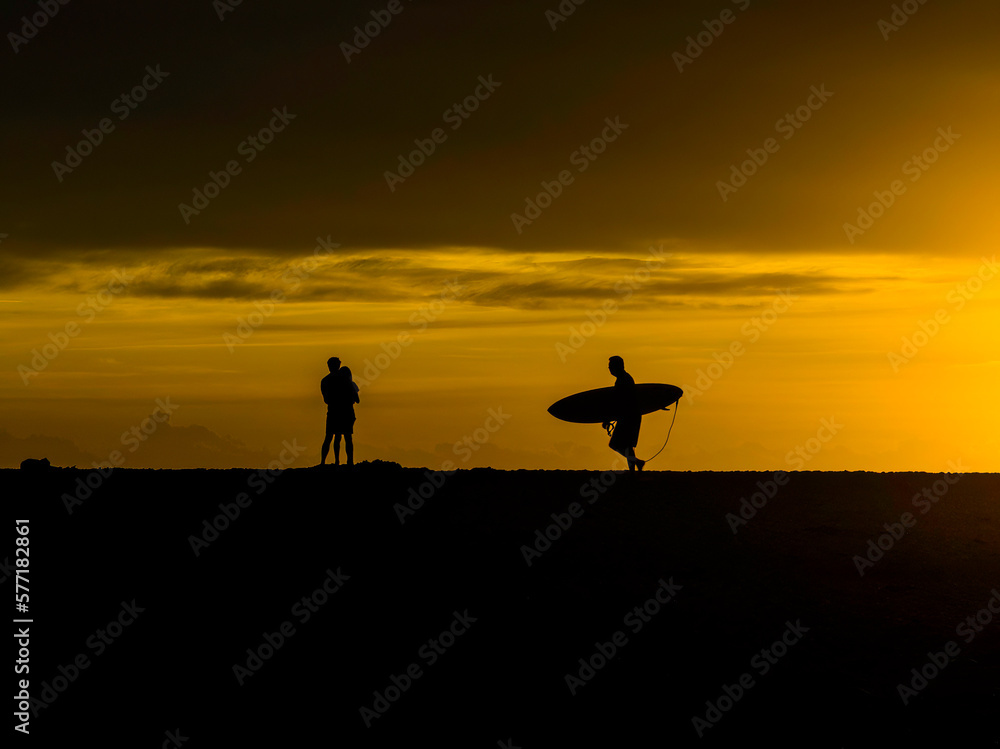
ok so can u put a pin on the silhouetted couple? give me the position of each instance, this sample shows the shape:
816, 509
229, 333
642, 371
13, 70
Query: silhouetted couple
340, 394
625, 436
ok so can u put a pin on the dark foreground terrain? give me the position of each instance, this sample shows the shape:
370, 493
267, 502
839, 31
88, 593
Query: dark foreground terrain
151, 626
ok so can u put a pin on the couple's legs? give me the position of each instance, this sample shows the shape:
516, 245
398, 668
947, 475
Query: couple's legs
348, 445
348, 448
331, 427
326, 448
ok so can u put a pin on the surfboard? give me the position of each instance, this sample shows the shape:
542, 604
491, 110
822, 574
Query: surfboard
598, 406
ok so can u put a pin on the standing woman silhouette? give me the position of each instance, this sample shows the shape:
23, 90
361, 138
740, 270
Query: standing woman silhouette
346, 417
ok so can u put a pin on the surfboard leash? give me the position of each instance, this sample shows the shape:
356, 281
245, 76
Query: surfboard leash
676, 404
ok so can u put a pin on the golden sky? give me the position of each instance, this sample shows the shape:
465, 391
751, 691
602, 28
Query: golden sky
813, 191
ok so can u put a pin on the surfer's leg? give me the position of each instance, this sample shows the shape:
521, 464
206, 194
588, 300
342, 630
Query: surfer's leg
625, 452
349, 447
336, 450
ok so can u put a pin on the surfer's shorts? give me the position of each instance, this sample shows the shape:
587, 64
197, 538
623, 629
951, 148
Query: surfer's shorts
626, 433
340, 422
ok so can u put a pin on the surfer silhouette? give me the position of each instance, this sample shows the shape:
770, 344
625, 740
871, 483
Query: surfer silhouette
340, 393
625, 436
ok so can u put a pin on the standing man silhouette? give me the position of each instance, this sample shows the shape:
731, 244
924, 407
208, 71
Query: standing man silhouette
625, 436
340, 394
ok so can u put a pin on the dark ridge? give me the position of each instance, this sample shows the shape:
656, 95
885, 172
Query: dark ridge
219, 560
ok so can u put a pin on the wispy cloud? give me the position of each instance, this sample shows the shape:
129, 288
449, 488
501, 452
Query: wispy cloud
487, 279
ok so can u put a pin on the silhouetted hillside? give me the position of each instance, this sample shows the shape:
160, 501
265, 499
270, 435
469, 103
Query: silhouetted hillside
426, 620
